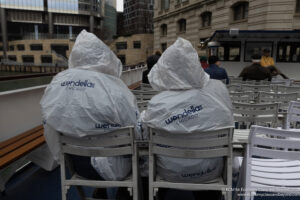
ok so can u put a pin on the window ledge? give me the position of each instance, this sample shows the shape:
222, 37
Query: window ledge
177, 5
185, 3
205, 28
181, 33
239, 21
297, 14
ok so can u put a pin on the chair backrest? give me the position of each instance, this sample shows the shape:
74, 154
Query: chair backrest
142, 105
271, 143
234, 87
295, 83
116, 143
282, 98
146, 87
284, 82
200, 144
244, 97
255, 88
144, 95
288, 89
293, 114
259, 114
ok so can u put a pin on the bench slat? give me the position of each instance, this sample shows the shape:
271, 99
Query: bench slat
21, 142
19, 137
18, 153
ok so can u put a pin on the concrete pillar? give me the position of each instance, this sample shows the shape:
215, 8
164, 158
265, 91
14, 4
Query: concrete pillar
36, 32
50, 24
70, 32
4, 31
91, 23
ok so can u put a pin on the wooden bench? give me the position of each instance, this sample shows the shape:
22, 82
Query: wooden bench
20, 145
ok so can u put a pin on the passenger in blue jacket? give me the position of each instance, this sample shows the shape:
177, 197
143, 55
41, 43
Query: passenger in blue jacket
215, 71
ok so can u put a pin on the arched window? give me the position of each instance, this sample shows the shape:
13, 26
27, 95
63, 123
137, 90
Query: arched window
298, 6
163, 30
240, 10
206, 19
181, 25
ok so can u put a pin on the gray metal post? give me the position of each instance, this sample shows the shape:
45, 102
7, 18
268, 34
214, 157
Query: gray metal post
50, 24
4, 31
91, 23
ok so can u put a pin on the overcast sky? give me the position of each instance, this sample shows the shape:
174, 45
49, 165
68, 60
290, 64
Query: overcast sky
120, 5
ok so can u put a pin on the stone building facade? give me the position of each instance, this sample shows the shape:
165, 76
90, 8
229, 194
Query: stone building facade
133, 49
196, 20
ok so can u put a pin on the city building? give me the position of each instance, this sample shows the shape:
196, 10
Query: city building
197, 20
241, 28
110, 20
133, 49
137, 16
33, 21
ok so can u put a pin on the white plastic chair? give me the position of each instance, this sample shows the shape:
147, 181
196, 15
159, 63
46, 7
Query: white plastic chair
116, 143
243, 97
144, 95
146, 87
255, 114
197, 145
256, 88
268, 164
293, 114
234, 87
288, 89
282, 98
142, 105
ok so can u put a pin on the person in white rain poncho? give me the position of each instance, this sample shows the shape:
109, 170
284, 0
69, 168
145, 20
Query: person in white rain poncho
90, 99
189, 101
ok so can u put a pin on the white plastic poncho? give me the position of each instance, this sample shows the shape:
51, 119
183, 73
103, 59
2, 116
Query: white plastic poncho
193, 102
89, 99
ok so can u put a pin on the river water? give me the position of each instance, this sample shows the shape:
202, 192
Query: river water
22, 83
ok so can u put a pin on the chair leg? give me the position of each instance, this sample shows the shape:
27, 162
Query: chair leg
228, 195
151, 193
64, 192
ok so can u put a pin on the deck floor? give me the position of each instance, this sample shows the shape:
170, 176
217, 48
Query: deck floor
34, 183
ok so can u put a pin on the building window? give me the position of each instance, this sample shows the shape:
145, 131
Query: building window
36, 47
298, 6
137, 44
12, 57
21, 47
163, 47
240, 11
181, 25
165, 4
230, 51
181, 1
122, 59
46, 59
206, 19
60, 49
252, 48
288, 52
121, 45
163, 30
28, 59
11, 47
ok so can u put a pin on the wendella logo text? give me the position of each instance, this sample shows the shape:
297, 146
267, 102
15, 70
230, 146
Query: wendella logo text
186, 112
78, 83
